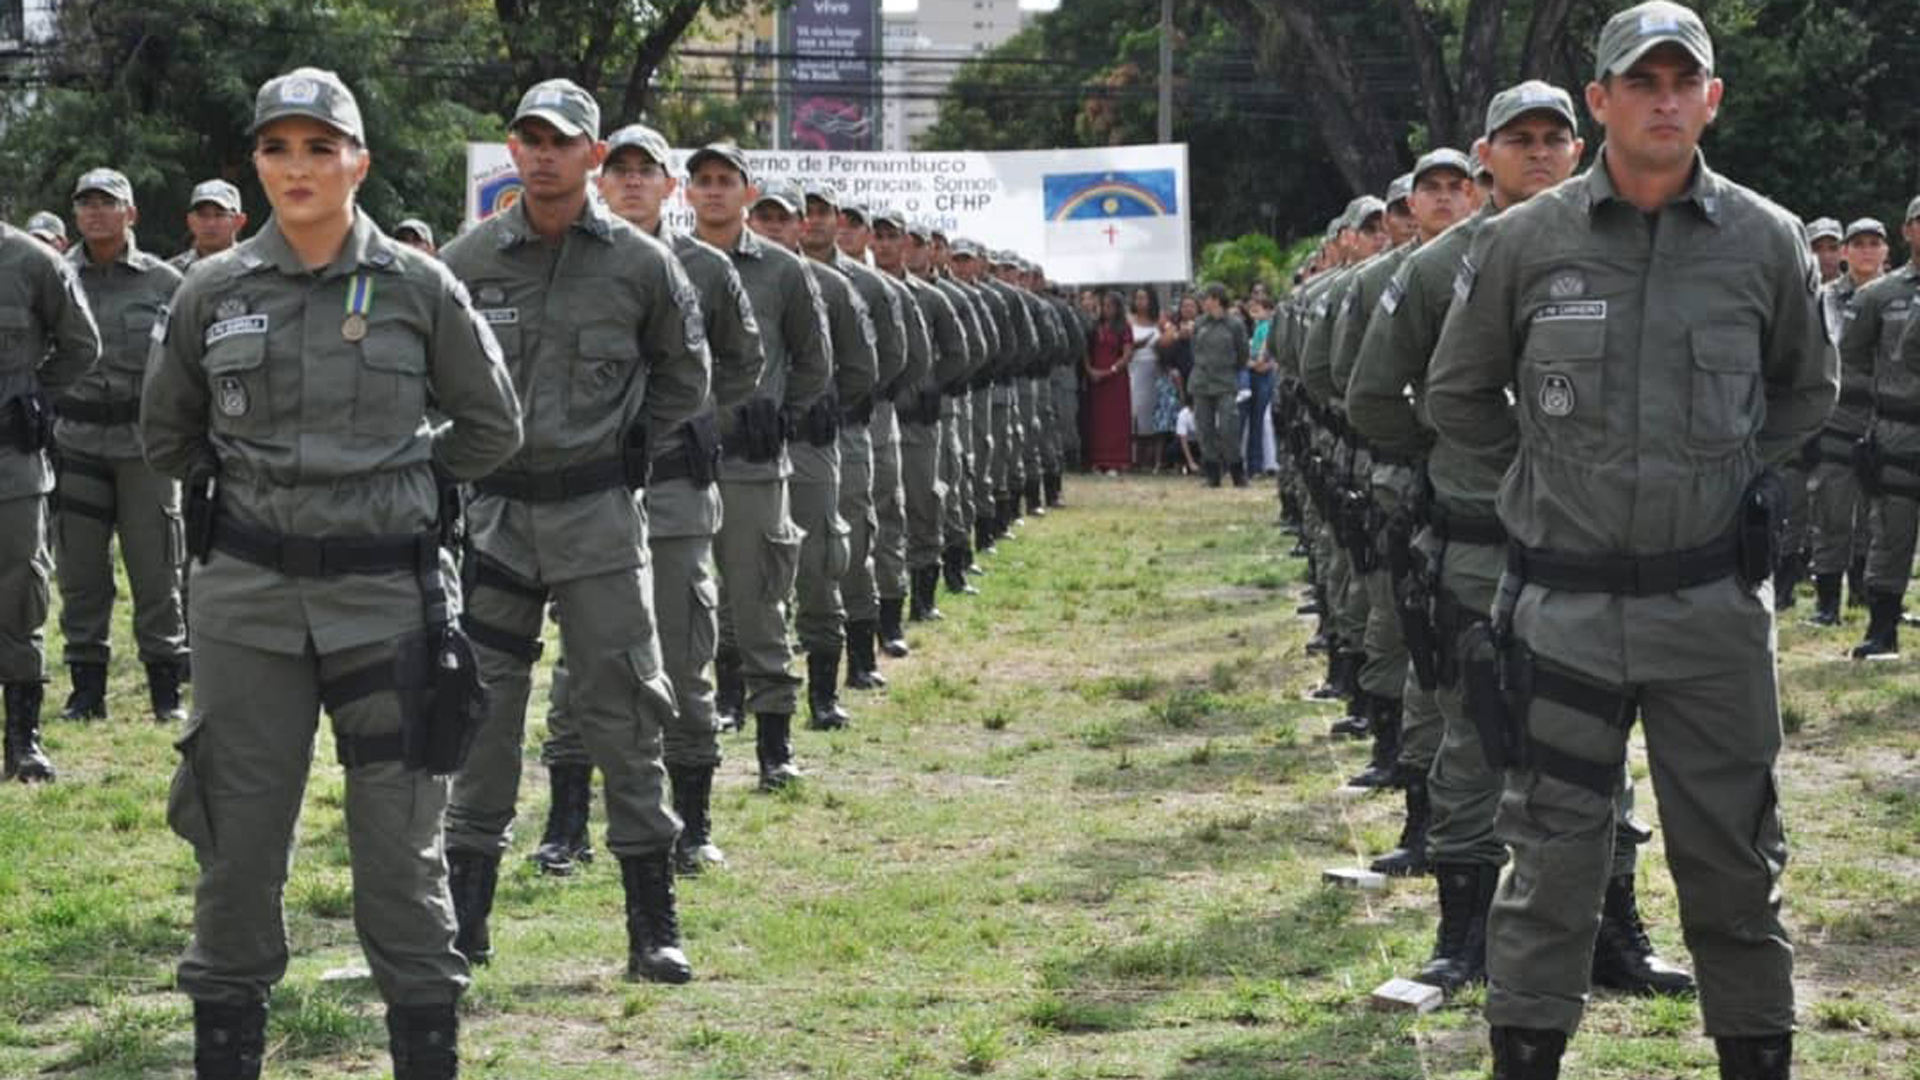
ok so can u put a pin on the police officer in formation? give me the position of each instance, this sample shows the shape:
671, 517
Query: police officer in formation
214, 220
1649, 397
105, 484
291, 389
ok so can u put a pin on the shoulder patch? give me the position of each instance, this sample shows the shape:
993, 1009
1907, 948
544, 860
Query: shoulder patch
160, 323
1464, 279
692, 322
1391, 295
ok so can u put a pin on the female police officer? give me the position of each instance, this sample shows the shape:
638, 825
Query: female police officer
291, 388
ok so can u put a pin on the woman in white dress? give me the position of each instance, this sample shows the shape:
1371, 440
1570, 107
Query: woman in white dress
1142, 372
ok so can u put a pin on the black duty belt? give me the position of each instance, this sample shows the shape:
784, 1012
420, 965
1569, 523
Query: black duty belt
97, 412
313, 556
1452, 528
558, 485
1856, 395
1624, 575
675, 466
1893, 410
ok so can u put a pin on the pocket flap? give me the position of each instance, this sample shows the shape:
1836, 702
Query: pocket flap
608, 343
14, 318
393, 346
1725, 348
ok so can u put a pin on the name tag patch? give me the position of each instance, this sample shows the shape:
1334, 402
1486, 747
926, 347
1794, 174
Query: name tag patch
500, 316
226, 328
1570, 310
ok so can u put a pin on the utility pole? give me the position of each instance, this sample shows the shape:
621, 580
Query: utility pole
1166, 71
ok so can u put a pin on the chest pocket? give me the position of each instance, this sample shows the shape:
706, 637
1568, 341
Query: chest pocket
1725, 407
20, 347
241, 402
609, 357
1563, 376
136, 326
391, 396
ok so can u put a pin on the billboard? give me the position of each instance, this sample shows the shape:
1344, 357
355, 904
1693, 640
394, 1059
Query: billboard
832, 100
1112, 214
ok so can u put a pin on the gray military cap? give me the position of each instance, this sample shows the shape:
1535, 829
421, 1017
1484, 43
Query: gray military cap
1334, 226
415, 226
1360, 209
1825, 228
105, 181
1913, 208
642, 138
877, 215
218, 192
1529, 97
1401, 187
1634, 32
917, 227
964, 248
1864, 225
562, 103
47, 225
312, 93
724, 152
1446, 157
781, 194
815, 189
855, 209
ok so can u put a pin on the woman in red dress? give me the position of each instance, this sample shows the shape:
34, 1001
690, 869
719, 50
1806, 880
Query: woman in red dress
1109, 400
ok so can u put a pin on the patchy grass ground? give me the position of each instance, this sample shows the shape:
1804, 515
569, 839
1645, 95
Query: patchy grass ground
1080, 836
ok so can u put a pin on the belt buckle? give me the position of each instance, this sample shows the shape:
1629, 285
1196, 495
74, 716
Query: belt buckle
302, 556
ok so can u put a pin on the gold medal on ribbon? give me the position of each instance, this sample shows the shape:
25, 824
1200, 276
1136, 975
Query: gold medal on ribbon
359, 302
355, 327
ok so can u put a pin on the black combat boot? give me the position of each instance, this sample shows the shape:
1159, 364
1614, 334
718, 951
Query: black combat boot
1857, 582
729, 691
953, 567
1335, 686
1212, 471
653, 928
89, 698
1238, 470
773, 743
1052, 482
695, 850
1826, 600
1409, 857
984, 532
471, 877
823, 692
424, 1041
893, 635
163, 689
566, 842
1526, 1053
228, 1040
1883, 627
1010, 516
1460, 944
863, 666
1755, 1057
26, 761
1623, 958
924, 582
1786, 580
1036, 505
1380, 771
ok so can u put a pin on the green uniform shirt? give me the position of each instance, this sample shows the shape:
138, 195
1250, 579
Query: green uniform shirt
1219, 354
1657, 362
1046, 331
1357, 310
1854, 411
1870, 331
127, 297
1315, 348
799, 359
918, 372
48, 340
601, 332
850, 334
315, 435
947, 329
983, 336
889, 323
1017, 338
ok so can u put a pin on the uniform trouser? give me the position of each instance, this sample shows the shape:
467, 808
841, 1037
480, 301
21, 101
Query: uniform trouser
244, 761
685, 597
1047, 426
1892, 521
99, 496
26, 564
1066, 415
1006, 441
819, 614
1795, 530
617, 697
858, 591
1712, 742
1350, 602
956, 503
1032, 427
982, 450
1463, 790
758, 553
1216, 417
924, 492
1388, 672
1834, 501
889, 505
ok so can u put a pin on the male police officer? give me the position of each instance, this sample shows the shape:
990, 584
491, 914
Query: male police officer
215, 219
1823, 239
106, 486
47, 227
929, 449
1838, 515
1529, 146
603, 334
758, 546
1649, 396
47, 342
683, 512
1796, 558
416, 234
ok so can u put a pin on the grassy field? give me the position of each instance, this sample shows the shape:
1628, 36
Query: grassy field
1080, 836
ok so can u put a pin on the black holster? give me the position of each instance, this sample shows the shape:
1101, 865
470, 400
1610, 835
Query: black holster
1867, 464
1413, 601
442, 699
820, 424
636, 460
1498, 692
202, 507
1763, 514
28, 420
763, 429
702, 440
